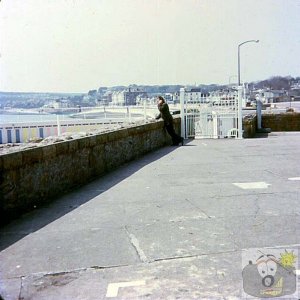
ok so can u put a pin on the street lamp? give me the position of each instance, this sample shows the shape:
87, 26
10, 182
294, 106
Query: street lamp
239, 75
229, 81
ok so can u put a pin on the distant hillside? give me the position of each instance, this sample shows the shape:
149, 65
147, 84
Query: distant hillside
275, 83
31, 100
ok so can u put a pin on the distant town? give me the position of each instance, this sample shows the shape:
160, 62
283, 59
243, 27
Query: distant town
272, 90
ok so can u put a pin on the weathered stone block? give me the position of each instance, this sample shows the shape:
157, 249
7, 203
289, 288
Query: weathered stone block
32, 156
97, 160
101, 138
12, 160
282, 122
156, 125
249, 126
83, 143
62, 148
93, 140
135, 131
9, 186
116, 135
73, 146
49, 152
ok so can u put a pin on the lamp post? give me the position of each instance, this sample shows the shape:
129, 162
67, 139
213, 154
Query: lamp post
229, 80
239, 71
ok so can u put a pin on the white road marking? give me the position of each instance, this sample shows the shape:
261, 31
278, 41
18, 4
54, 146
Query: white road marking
294, 178
277, 247
113, 288
252, 185
204, 144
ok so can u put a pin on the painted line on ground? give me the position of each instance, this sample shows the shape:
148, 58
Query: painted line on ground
280, 246
113, 288
294, 178
252, 185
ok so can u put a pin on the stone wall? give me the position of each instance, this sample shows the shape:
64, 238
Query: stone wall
249, 126
276, 122
282, 122
33, 177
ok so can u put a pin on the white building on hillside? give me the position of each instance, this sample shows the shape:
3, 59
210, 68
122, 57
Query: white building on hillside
127, 97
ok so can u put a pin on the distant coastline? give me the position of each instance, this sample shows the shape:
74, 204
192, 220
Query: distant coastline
11, 117
17, 111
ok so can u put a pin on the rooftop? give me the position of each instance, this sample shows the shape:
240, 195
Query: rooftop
173, 224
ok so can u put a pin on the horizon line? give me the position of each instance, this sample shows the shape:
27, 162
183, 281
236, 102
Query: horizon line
150, 85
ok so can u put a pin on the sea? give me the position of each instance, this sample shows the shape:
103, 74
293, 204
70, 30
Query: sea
31, 118
28, 118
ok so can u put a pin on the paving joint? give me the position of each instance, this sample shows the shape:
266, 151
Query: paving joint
61, 273
257, 208
21, 288
194, 255
201, 210
136, 245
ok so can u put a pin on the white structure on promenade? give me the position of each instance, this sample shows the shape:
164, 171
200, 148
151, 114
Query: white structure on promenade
211, 116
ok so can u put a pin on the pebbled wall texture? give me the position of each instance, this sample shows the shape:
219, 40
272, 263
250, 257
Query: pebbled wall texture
289, 121
35, 176
282, 122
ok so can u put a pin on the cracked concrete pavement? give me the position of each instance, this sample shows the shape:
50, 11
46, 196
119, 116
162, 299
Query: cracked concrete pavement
170, 225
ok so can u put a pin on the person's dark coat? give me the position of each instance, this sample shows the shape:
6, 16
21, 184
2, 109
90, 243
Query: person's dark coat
165, 114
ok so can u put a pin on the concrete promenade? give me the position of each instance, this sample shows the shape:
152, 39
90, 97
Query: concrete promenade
173, 224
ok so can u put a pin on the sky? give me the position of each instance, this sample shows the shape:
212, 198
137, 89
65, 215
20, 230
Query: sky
79, 45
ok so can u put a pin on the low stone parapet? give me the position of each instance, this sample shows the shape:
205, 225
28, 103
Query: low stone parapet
32, 177
249, 126
289, 121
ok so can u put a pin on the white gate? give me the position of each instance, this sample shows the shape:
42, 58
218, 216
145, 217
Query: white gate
211, 116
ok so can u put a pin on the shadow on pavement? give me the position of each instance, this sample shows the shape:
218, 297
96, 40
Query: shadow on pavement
261, 135
42, 216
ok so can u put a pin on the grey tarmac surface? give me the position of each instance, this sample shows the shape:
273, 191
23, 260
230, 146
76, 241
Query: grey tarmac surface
173, 224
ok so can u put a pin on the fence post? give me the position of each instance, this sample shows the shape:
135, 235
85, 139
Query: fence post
104, 110
145, 114
240, 113
129, 114
58, 125
182, 113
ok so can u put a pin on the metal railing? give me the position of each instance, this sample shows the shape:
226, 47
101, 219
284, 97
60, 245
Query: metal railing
213, 116
16, 130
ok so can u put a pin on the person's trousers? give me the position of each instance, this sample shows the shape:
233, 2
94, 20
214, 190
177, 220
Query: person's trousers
176, 139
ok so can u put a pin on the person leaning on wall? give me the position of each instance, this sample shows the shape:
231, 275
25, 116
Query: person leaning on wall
165, 114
